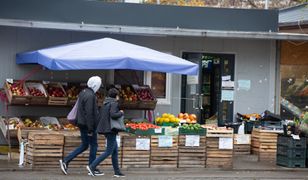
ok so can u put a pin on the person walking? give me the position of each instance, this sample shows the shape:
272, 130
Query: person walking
86, 119
109, 110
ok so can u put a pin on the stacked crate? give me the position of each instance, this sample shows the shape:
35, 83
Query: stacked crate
132, 157
241, 147
164, 156
191, 156
264, 144
217, 157
290, 152
72, 141
44, 149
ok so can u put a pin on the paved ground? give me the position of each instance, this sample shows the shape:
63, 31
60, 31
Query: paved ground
245, 167
155, 175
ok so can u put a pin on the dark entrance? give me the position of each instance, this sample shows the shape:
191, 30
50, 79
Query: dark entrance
204, 97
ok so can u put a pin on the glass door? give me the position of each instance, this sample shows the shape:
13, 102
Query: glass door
205, 98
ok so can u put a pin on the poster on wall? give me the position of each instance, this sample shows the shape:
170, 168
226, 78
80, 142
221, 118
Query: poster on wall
227, 95
192, 80
244, 84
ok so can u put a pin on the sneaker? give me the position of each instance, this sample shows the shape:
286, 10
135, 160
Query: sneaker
63, 166
97, 172
90, 171
119, 174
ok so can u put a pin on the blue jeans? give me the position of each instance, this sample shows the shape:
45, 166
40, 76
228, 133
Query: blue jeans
111, 149
85, 142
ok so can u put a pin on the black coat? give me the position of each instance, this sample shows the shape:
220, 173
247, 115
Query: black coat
87, 111
109, 110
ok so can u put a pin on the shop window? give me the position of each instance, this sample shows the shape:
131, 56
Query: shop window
294, 79
160, 85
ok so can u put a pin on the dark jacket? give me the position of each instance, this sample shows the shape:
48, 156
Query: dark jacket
87, 111
109, 110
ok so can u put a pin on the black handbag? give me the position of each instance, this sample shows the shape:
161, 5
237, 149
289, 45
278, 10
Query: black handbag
117, 124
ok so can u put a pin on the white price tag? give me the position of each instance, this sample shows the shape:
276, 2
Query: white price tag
46, 82
142, 144
225, 143
243, 139
164, 141
157, 130
9, 80
192, 140
296, 137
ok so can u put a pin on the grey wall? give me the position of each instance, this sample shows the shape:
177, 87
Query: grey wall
255, 61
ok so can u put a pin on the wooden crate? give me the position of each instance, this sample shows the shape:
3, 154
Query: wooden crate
37, 100
219, 132
132, 157
72, 141
56, 100
264, 144
240, 147
191, 157
16, 99
22, 133
44, 149
217, 158
164, 156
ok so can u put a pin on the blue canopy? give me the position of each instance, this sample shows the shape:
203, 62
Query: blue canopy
107, 53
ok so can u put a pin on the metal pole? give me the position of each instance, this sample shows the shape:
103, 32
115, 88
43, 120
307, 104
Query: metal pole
8, 132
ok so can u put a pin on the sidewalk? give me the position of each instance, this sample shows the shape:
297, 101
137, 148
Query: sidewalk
240, 163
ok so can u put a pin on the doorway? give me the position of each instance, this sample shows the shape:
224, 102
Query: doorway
203, 96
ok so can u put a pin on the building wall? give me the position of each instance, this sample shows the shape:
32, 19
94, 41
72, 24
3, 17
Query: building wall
254, 61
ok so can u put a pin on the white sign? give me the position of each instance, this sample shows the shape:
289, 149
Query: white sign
227, 95
225, 143
192, 80
244, 84
157, 130
164, 141
296, 137
227, 84
142, 144
10, 80
226, 78
193, 89
243, 139
192, 140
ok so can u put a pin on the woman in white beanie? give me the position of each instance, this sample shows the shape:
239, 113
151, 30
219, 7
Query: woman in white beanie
87, 118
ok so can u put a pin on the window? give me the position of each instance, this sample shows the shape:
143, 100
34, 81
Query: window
294, 79
160, 84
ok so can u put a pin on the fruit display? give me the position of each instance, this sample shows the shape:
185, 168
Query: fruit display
33, 123
187, 118
55, 90
17, 89
187, 129
128, 94
70, 127
72, 91
35, 91
168, 120
141, 126
54, 127
144, 94
15, 123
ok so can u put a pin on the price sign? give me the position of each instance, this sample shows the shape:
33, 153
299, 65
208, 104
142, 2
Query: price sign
192, 140
10, 80
225, 143
164, 141
243, 139
142, 144
157, 131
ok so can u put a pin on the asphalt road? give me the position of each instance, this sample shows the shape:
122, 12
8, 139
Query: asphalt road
159, 175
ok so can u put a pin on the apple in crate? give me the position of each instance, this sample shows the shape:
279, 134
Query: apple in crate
35, 91
17, 89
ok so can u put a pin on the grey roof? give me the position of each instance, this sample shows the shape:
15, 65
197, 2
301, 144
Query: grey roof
139, 15
293, 15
